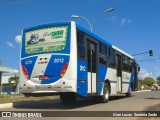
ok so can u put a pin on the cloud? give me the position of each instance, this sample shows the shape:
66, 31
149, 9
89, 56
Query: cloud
14, 72
143, 73
124, 21
18, 39
10, 44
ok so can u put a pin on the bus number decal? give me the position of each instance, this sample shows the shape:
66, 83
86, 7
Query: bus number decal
59, 60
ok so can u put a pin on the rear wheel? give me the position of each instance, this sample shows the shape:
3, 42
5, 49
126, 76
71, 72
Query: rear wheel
106, 94
68, 98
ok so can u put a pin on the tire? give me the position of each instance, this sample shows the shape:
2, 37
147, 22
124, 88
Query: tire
106, 94
68, 98
129, 94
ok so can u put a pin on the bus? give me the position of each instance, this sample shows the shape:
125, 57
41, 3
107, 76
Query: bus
66, 59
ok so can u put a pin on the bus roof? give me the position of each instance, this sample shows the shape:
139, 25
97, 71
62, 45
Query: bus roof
102, 40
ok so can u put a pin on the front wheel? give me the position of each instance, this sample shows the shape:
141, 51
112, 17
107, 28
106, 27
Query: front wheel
106, 94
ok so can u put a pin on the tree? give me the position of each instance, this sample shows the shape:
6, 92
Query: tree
140, 82
15, 80
148, 81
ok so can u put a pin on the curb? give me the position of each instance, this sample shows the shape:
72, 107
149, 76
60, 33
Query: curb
6, 105
142, 91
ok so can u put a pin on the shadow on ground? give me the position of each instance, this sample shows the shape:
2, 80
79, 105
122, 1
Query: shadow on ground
56, 103
153, 108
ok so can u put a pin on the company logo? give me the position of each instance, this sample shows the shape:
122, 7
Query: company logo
6, 114
55, 34
82, 68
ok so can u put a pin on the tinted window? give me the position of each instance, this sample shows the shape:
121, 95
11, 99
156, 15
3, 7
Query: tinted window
80, 37
102, 53
81, 45
111, 57
127, 64
102, 49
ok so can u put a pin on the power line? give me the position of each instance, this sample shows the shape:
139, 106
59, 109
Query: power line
149, 60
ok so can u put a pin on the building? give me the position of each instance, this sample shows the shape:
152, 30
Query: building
5, 74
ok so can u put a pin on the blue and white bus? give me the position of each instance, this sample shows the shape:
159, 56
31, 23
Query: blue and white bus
66, 59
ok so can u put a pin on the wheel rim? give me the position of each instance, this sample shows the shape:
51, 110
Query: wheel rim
106, 93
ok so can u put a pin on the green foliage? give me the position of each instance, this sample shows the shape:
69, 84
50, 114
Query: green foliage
149, 81
140, 82
15, 79
4, 96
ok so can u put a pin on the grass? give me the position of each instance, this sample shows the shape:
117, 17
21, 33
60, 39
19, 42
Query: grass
9, 99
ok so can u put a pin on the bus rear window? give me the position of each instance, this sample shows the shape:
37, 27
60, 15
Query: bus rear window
48, 39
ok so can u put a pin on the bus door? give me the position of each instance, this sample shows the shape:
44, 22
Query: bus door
119, 72
92, 66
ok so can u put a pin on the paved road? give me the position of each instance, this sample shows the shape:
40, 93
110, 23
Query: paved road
140, 101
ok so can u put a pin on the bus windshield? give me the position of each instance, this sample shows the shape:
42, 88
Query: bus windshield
47, 39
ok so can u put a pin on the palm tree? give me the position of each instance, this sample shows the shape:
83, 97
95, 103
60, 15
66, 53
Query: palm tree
14, 79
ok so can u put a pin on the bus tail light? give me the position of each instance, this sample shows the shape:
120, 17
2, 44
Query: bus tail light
25, 72
64, 69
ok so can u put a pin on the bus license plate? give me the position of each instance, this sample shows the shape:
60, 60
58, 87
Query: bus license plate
43, 77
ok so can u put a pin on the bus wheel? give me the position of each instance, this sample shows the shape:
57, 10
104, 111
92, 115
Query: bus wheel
106, 94
129, 94
68, 98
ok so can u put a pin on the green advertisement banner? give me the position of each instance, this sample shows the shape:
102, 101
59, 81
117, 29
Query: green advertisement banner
49, 39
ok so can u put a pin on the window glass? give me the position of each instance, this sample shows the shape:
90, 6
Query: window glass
80, 37
102, 53
103, 59
102, 49
127, 64
111, 57
81, 45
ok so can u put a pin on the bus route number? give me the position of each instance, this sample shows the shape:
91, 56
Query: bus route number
58, 60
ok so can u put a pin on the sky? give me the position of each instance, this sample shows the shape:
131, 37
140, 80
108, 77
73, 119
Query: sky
133, 26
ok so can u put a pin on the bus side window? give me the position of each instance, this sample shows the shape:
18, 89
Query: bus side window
102, 54
127, 64
81, 45
111, 57
124, 59
131, 65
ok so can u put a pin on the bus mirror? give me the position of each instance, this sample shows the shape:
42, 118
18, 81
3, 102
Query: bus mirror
139, 68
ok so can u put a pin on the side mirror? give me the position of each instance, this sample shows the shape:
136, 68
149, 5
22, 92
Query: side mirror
139, 68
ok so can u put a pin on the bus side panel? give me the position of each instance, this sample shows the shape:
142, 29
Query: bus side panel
102, 71
126, 80
112, 77
82, 78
